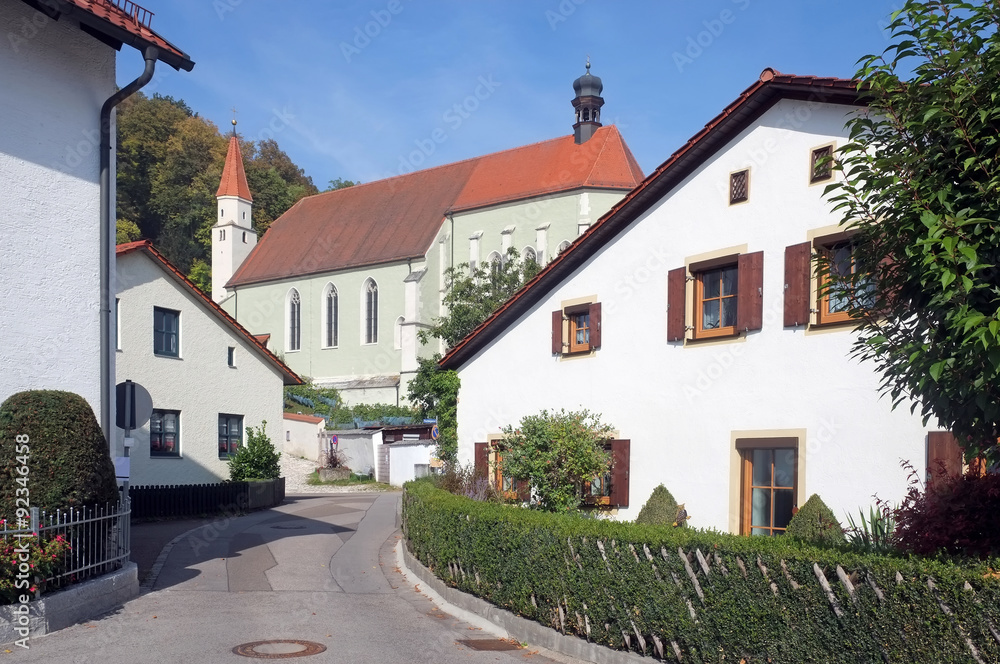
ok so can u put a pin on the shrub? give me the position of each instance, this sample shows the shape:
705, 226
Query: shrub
633, 587
815, 522
660, 509
45, 560
877, 531
257, 460
463, 481
958, 515
68, 461
556, 453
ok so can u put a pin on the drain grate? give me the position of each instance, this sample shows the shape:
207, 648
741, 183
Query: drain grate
279, 649
488, 644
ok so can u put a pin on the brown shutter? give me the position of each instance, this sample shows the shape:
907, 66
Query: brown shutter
482, 460
557, 325
620, 452
523, 490
595, 325
750, 292
798, 264
675, 304
944, 456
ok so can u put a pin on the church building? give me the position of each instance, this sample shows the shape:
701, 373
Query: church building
344, 280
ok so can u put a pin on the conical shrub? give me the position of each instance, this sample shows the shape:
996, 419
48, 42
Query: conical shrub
660, 509
815, 522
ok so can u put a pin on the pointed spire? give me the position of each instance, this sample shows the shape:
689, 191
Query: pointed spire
234, 178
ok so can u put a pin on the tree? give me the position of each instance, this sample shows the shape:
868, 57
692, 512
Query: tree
340, 183
126, 231
473, 296
556, 453
435, 392
921, 185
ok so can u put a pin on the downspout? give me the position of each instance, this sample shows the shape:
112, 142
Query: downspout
107, 232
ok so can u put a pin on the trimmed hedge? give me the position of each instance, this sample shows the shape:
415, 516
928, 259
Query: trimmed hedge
627, 587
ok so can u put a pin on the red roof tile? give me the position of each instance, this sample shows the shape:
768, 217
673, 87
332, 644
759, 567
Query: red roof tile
145, 246
299, 417
397, 218
234, 178
767, 90
129, 27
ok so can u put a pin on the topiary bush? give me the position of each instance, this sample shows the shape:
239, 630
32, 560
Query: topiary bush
55, 435
815, 522
257, 460
660, 509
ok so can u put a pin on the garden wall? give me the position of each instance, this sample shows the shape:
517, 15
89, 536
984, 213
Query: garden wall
691, 596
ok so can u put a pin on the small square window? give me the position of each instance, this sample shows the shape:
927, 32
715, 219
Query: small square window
739, 186
230, 434
164, 433
716, 291
166, 332
231, 352
821, 164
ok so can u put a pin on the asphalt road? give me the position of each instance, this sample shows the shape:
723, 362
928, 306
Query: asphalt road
318, 569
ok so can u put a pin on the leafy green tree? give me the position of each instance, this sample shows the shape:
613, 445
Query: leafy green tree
435, 392
126, 231
473, 296
921, 185
201, 275
340, 183
556, 453
257, 460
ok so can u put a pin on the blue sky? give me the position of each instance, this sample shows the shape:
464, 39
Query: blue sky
356, 89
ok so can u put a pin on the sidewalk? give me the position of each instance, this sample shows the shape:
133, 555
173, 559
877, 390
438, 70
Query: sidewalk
150, 537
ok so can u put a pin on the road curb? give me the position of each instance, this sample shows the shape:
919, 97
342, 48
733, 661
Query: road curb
505, 624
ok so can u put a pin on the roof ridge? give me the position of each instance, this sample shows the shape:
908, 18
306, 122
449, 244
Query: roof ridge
600, 153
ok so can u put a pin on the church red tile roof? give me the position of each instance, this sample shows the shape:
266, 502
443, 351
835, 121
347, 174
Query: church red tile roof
120, 21
234, 178
397, 219
145, 246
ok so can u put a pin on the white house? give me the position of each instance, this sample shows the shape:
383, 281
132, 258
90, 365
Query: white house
303, 436
344, 280
57, 69
208, 377
688, 317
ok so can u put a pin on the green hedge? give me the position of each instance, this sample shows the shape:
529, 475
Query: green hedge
550, 568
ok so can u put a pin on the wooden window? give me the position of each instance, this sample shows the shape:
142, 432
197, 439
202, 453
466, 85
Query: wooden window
166, 332
230, 434
576, 329
739, 186
839, 285
507, 486
821, 164
715, 296
294, 320
165, 433
769, 484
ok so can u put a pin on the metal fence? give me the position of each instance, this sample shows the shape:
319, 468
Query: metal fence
98, 537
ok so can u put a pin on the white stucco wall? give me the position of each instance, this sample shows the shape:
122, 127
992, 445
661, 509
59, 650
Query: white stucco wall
54, 78
199, 383
403, 457
300, 439
358, 448
682, 406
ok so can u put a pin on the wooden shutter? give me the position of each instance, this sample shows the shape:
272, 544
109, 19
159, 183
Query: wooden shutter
675, 304
944, 456
595, 325
750, 292
620, 452
557, 326
798, 264
482, 460
523, 490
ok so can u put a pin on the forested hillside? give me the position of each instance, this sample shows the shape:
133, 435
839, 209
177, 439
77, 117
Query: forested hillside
169, 164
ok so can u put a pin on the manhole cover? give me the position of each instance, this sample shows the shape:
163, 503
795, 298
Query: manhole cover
279, 649
289, 527
489, 644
